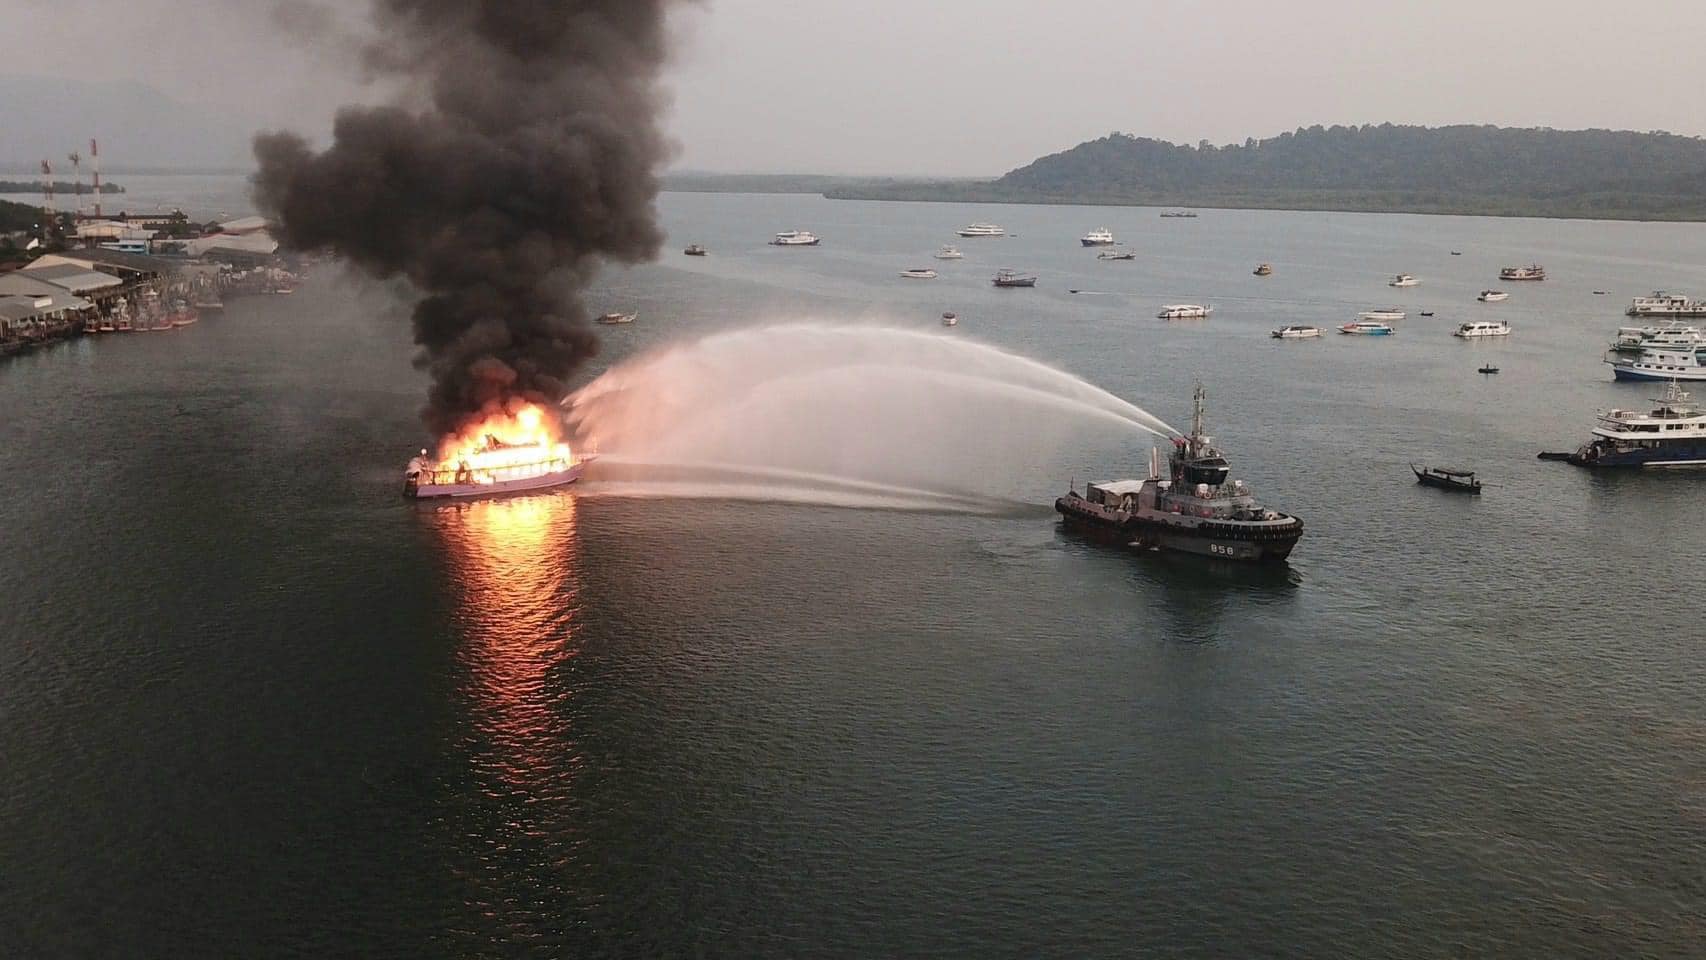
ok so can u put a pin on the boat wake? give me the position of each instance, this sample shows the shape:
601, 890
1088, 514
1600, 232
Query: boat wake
850, 416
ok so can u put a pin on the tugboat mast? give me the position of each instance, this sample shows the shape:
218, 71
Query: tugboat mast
1196, 416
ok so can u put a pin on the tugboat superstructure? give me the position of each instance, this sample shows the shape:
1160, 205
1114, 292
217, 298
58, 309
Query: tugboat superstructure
1197, 508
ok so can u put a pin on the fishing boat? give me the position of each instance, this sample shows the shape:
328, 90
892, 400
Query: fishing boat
1099, 237
1403, 280
1492, 296
1184, 311
1298, 331
795, 238
1367, 328
919, 273
1008, 278
615, 318
1482, 328
949, 253
1673, 434
1462, 481
1533, 271
695, 250
1116, 255
949, 319
982, 230
1263, 270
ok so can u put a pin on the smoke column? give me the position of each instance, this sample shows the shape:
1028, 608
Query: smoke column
525, 158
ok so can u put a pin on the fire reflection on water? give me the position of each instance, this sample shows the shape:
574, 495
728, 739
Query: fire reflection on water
512, 563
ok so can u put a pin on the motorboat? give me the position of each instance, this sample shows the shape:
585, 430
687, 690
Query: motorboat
1099, 237
1263, 270
1296, 331
614, 318
1533, 271
982, 230
1403, 280
950, 319
1492, 296
1673, 434
1009, 278
1446, 478
1116, 255
1662, 304
1678, 358
695, 250
1367, 328
795, 238
1184, 311
919, 273
1482, 328
1389, 315
949, 253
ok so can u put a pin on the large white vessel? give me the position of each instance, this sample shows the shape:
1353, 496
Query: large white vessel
1184, 311
1636, 339
1099, 237
1482, 328
1403, 280
1533, 271
1670, 359
795, 238
1389, 315
982, 230
1662, 304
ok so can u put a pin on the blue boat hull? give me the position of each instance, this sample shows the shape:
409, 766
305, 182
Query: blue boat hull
1626, 373
1680, 453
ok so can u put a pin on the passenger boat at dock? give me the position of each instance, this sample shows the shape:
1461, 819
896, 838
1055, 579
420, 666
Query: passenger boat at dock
1196, 509
1673, 434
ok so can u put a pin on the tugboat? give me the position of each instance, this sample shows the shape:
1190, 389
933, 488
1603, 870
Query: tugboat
1673, 434
1197, 509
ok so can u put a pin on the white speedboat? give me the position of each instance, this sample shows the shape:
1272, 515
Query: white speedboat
1296, 331
1482, 328
982, 230
1389, 315
1662, 304
1492, 296
1184, 311
919, 273
1403, 280
1367, 328
615, 318
949, 253
795, 238
1099, 237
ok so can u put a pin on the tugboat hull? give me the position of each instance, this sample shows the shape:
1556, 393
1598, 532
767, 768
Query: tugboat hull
1253, 542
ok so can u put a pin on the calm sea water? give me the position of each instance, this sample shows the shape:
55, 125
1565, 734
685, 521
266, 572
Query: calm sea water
254, 704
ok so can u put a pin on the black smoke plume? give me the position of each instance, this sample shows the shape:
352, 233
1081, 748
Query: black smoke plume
522, 155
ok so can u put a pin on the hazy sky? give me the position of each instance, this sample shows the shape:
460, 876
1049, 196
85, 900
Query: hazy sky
980, 86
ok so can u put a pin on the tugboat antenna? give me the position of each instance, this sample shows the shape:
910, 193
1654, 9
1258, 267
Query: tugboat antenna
1196, 417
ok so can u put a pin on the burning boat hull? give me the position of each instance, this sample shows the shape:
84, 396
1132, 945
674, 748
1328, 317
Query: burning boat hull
420, 486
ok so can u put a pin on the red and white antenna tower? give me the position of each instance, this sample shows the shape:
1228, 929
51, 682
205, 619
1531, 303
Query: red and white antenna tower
95, 162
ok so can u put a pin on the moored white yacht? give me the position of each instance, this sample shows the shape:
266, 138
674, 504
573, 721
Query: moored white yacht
1482, 328
1636, 339
949, 253
1492, 296
1403, 280
1662, 304
795, 238
1367, 328
919, 273
1670, 359
1184, 311
982, 230
1389, 315
1296, 331
1099, 237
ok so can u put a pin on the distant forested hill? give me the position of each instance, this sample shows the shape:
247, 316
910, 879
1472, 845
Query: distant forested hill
1462, 169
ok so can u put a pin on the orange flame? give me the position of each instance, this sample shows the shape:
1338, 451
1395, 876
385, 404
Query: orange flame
519, 440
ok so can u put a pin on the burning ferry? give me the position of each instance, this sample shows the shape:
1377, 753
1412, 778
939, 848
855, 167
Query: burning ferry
507, 452
1196, 509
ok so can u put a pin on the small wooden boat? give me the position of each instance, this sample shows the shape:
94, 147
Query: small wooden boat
1427, 313
1463, 481
1599, 293
1457, 253
1489, 368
